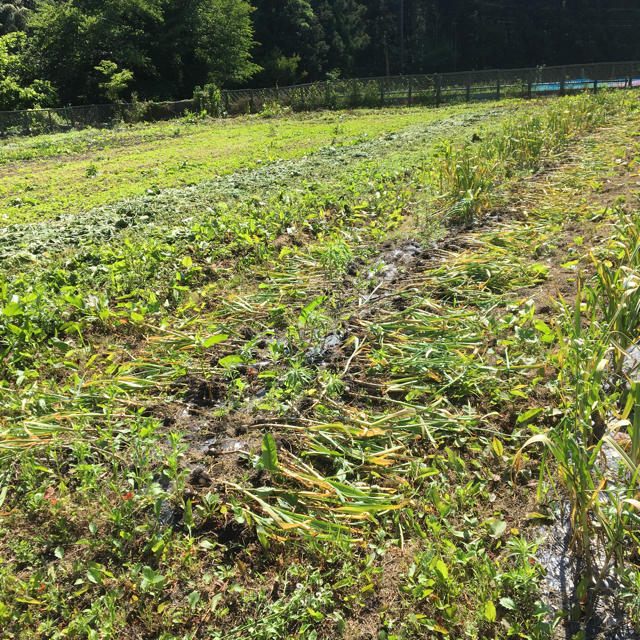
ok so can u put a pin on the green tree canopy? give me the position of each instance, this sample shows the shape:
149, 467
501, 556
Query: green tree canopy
172, 46
115, 79
16, 90
69, 38
345, 29
13, 16
205, 40
223, 38
291, 41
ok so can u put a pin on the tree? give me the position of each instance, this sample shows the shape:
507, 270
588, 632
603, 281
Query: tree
172, 46
16, 90
345, 29
115, 81
69, 38
431, 43
205, 40
382, 56
291, 41
223, 40
13, 16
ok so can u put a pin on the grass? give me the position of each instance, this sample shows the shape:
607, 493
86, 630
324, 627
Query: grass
48, 175
262, 407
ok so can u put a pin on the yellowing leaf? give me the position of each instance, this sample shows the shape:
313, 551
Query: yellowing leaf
490, 611
439, 629
287, 526
380, 461
370, 432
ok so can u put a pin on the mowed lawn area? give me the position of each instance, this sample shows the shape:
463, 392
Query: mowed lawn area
49, 175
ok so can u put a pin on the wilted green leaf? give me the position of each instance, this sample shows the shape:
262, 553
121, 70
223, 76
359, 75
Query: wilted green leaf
188, 514
496, 528
228, 362
540, 270
94, 575
209, 342
528, 415
442, 570
12, 309
269, 456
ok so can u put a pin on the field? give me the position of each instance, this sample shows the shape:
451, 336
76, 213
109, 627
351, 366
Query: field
364, 374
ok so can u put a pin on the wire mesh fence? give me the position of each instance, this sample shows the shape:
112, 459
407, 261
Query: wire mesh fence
434, 89
37, 121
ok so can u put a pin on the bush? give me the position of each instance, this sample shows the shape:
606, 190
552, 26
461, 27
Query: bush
137, 111
209, 99
355, 98
273, 109
371, 95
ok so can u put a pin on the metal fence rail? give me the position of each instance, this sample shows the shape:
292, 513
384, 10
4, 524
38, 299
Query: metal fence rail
432, 89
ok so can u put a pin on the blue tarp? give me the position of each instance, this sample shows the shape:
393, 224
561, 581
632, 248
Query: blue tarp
583, 83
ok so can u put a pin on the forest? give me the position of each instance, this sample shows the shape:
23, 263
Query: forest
58, 52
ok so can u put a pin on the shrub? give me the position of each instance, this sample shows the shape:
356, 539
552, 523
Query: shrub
209, 99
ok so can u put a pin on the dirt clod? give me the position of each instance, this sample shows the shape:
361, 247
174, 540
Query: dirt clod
199, 477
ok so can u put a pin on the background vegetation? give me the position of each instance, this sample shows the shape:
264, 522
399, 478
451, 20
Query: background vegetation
168, 47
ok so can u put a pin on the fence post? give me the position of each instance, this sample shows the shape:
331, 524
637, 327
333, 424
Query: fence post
410, 97
438, 82
468, 91
562, 81
226, 101
381, 87
498, 89
50, 120
595, 86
